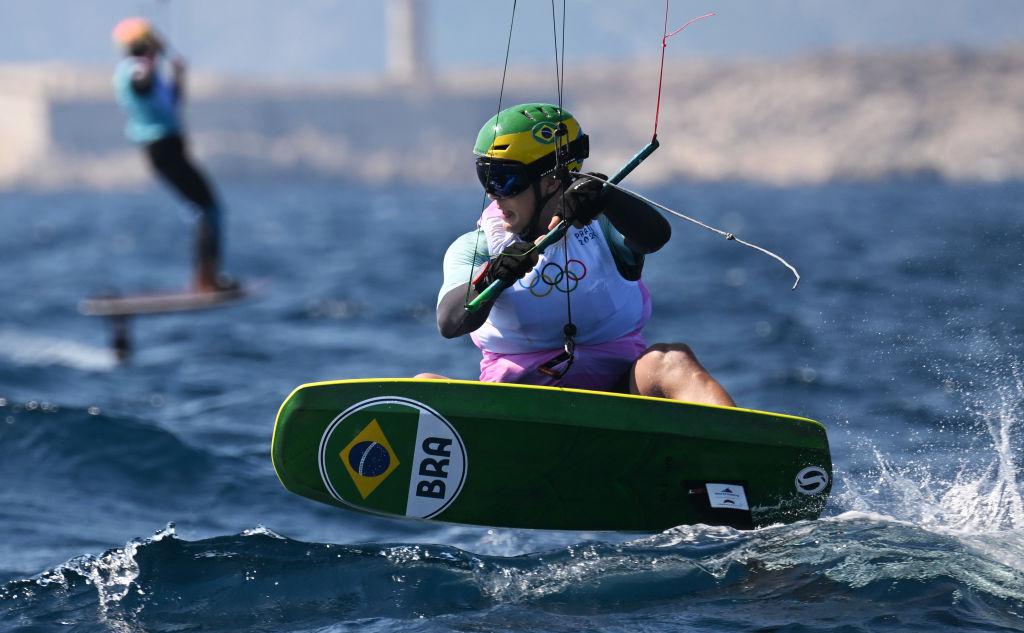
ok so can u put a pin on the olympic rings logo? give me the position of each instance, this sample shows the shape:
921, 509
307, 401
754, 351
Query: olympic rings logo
554, 277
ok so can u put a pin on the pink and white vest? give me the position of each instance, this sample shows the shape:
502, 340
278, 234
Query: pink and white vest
529, 315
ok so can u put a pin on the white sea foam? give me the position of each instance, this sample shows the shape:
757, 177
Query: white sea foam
981, 505
35, 350
984, 496
114, 575
260, 530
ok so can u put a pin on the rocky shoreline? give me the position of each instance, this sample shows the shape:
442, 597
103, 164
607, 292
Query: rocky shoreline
954, 115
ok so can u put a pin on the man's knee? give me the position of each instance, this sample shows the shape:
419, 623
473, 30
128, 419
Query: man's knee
671, 370
666, 356
430, 376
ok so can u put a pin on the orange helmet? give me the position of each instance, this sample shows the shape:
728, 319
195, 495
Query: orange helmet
131, 31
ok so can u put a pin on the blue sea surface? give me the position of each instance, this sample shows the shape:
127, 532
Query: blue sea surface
141, 497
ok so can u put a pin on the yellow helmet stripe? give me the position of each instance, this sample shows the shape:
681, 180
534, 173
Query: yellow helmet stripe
527, 147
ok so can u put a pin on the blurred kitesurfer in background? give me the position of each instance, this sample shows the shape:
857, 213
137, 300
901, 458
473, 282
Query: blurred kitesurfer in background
572, 316
152, 103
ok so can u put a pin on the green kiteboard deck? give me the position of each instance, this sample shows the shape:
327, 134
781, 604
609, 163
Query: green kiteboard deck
539, 457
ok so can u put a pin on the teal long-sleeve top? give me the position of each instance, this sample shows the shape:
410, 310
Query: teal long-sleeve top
149, 101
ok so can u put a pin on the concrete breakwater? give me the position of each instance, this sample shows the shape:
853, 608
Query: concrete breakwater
951, 114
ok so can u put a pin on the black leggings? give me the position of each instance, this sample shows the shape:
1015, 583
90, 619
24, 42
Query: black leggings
169, 159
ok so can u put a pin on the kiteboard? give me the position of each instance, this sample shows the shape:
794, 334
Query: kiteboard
120, 309
160, 302
520, 456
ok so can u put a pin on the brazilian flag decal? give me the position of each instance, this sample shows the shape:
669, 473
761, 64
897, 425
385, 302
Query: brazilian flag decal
369, 458
367, 454
392, 455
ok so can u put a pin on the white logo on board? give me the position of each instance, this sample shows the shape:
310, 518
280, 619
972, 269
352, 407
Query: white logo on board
727, 496
811, 480
439, 466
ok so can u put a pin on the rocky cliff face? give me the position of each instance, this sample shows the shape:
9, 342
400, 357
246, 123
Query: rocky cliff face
956, 115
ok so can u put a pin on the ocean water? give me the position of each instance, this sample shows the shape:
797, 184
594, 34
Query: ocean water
141, 497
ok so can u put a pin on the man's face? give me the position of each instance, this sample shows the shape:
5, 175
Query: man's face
516, 211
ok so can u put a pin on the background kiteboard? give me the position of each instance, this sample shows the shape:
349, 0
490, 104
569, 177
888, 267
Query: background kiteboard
539, 457
120, 310
160, 302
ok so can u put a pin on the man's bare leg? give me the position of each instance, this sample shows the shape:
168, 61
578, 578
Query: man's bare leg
671, 370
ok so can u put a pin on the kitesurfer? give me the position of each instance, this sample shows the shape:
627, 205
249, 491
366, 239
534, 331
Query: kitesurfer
574, 315
152, 104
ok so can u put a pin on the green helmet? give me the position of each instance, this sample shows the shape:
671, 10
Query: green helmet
529, 134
